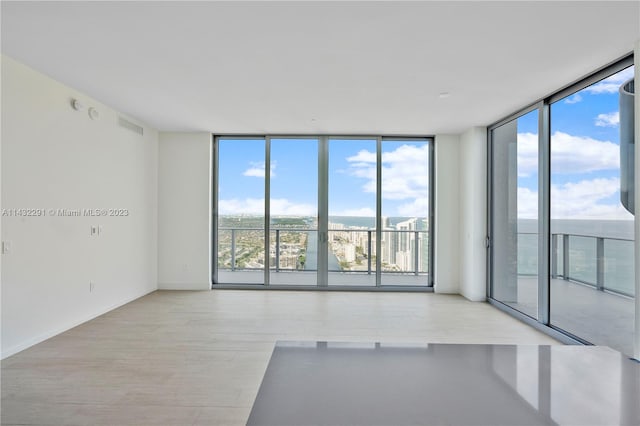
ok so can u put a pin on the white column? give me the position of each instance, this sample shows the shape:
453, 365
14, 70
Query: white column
473, 213
184, 211
447, 223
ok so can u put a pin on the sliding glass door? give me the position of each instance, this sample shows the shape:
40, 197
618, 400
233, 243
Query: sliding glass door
593, 287
353, 198
241, 210
514, 185
562, 210
404, 236
293, 204
328, 205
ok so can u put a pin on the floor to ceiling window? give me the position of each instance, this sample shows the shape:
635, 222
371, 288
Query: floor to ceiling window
293, 207
562, 222
514, 183
241, 210
353, 196
591, 224
329, 206
404, 255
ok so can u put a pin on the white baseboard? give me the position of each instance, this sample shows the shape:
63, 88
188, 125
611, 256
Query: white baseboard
184, 286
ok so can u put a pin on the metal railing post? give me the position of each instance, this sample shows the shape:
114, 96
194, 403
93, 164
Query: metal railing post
565, 256
600, 263
369, 252
554, 255
233, 249
600, 280
416, 256
277, 250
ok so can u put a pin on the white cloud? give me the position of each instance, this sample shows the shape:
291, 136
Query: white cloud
405, 172
582, 154
363, 157
527, 203
363, 212
577, 200
257, 170
583, 200
527, 145
608, 120
251, 206
603, 88
569, 154
417, 208
255, 206
610, 84
282, 206
573, 99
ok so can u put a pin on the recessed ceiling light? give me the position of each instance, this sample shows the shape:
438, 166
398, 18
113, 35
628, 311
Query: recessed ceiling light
443, 95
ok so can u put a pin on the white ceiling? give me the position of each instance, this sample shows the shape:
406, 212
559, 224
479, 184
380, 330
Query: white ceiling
318, 67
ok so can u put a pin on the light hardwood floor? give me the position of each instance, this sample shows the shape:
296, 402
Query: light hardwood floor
198, 358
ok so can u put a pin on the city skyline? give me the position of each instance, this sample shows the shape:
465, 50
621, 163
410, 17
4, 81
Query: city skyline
404, 246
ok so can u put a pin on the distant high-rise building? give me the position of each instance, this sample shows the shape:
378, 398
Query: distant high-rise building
349, 252
385, 222
406, 244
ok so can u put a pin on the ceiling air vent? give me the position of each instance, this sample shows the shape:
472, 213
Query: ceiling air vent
131, 126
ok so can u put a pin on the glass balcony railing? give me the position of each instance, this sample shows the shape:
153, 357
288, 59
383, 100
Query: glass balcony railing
240, 249
293, 250
350, 250
602, 262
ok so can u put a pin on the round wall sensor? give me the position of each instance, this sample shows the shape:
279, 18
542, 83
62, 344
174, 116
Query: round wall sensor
93, 113
76, 104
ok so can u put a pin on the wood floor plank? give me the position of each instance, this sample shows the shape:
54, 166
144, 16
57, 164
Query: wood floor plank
179, 357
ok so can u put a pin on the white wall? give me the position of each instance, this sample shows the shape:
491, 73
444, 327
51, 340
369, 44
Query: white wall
1, 205
447, 218
473, 213
184, 213
636, 346
54, 157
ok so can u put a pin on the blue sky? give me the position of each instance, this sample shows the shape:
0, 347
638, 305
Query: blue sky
294, 177
584, 167
585, 136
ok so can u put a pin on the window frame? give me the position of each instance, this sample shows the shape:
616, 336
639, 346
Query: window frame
323, 213
543, 105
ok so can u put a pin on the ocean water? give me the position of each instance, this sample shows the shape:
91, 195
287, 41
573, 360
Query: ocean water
370, 222
617, 237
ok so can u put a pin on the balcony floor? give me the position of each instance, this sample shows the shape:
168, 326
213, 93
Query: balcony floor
346, 279
600, 317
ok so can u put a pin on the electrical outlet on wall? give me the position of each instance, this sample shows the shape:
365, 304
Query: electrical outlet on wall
6, 247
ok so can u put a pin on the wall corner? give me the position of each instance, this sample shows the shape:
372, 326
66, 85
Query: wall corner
446, 238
